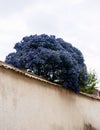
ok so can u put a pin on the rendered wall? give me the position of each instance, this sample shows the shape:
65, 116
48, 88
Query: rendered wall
29, 104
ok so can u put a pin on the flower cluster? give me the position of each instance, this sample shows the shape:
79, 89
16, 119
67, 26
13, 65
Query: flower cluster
51, 58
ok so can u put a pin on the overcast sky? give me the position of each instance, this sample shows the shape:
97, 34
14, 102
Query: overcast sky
76, 21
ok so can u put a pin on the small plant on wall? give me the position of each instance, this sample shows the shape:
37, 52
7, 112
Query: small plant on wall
91, 83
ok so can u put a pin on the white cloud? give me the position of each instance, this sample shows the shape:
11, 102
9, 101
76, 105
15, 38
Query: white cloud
8, 7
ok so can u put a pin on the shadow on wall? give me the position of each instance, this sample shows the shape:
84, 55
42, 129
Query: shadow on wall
89, 127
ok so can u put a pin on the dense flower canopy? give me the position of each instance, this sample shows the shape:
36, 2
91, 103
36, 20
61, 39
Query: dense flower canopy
51, 58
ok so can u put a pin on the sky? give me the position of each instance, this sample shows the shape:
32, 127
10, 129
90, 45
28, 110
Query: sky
76, 21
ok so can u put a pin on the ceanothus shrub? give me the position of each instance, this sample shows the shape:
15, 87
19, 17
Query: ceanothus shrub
52, 58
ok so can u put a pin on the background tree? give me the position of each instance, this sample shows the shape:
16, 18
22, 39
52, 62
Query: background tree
91, 83
51, 58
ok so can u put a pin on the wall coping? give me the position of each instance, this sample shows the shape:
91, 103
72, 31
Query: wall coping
33, 76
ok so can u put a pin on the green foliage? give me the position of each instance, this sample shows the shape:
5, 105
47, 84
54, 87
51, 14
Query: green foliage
91, 83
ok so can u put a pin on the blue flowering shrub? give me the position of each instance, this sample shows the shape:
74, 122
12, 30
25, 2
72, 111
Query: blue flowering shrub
52, 58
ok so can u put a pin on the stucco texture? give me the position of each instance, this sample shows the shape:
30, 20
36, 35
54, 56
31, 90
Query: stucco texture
28, 103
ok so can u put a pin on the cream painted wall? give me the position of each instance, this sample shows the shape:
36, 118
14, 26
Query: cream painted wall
30, 104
